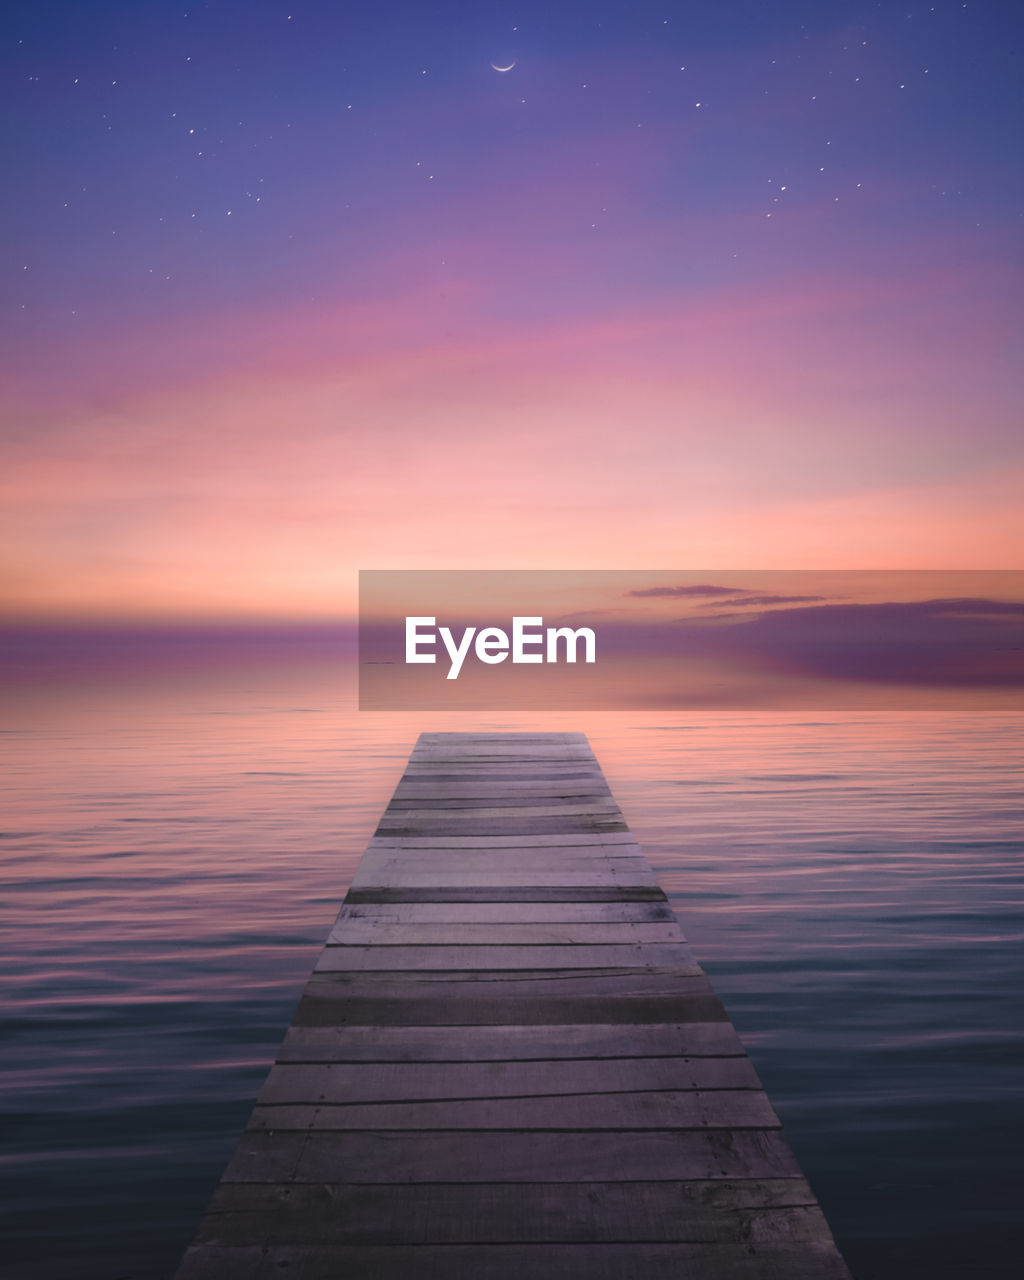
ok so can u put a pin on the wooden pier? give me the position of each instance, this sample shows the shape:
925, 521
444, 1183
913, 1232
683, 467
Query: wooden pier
507, 1063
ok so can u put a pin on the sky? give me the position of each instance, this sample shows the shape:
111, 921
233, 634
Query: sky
293, 290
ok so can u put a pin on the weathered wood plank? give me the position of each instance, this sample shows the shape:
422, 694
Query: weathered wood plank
516, 840
640, 955
503, 746
443, 866
506, 894
808, 1260
613, 914
576, 1156
577, 855
479, 738
324, 1008
501, 819
386, 1082
447, 868
398, 876
623, 861
427, 1213
508, 805
419, 1044
591, 800
732, 1110
381, 932
522, 776
480, 823
543, 860
457, 985
434, 789
550, 827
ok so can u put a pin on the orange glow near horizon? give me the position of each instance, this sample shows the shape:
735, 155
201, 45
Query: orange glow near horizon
245, 494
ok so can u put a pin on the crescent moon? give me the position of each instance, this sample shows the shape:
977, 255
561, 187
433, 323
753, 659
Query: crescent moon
495, 67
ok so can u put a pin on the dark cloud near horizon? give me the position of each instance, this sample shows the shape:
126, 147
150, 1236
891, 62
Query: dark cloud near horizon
582, 615
705, 589
970, 641
759, 600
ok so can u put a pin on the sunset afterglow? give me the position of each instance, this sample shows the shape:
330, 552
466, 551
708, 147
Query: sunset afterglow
294, 295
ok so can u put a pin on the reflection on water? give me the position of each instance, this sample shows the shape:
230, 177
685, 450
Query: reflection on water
180, 836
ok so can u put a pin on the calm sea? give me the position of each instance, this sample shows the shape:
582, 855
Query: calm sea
182, 824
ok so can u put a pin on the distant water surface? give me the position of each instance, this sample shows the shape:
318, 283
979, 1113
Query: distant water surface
181, 828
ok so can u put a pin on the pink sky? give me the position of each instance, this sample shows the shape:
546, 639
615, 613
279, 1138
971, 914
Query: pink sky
777, 331
745, 431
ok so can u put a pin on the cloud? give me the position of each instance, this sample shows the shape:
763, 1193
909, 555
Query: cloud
966, 641
700, 590
759, 600
584, 615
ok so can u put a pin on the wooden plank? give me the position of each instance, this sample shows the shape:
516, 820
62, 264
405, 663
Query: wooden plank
436, 784
573, 814
480, 752
540, 856
508, 894
325, 1008
594, 845
500, 826
576, 1156
381, 932
530, 912
537, 857
734, 1111
518, 840
513, 772
639, 955
503, 804
542, 819
383, 1082
398, 876
519, 997
430, 1213
483, 823
457, 985
441, 866
478, 738
456, 862
805, 1260
420, 1044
